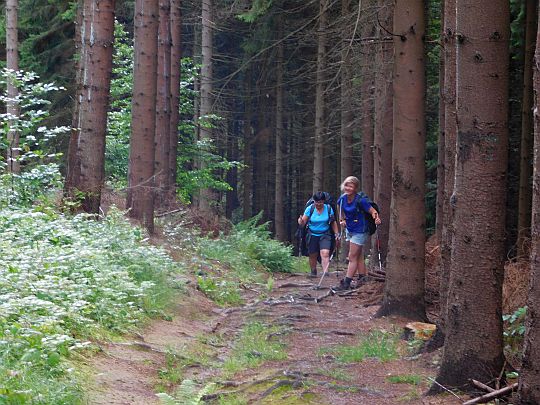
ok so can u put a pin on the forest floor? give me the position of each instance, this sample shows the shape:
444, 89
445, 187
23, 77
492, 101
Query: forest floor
194, 347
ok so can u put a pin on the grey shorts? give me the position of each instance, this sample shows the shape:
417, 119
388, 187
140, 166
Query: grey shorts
318, 243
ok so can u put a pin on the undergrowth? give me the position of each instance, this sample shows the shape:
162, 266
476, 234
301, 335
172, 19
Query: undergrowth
64, 281
376, 344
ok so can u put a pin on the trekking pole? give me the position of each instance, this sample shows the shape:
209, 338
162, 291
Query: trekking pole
325, 271
379, 248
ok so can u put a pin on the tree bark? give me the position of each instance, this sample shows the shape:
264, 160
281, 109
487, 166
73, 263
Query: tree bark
441, 145
318, 153
97, 38
450, 135
383, 132
366, 109
140, 197
347, 115
279, 196
163, 105
404, 288
525, 169
207, 196
12, 63
473, 346
529, 375
176, 67
247, 171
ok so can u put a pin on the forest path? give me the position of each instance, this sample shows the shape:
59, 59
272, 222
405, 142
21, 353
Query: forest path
196, 346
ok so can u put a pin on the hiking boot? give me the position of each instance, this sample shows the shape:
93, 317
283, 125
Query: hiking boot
313, 273
362, 279
343, 286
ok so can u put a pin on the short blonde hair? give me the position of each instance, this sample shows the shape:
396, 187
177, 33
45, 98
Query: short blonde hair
350, 179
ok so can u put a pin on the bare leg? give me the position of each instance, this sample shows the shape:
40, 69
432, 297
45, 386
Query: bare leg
313, 260
361, 264
355, 253
325, 259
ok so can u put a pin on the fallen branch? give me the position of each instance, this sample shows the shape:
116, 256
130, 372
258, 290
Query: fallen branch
295, 285
482, 386
492, 395
444, 388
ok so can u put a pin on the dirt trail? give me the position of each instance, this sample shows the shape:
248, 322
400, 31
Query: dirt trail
200, 335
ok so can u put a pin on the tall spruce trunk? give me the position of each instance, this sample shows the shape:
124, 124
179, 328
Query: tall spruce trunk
525, 167
347, 115
404, 288
529, 375
12, 63
176, 67
73, 171
279, 212
383, 132
440, 144
318, 153
473, 345
140, 198
163, 106
247, 171
207, 196
366, 106
448, 98
97, 38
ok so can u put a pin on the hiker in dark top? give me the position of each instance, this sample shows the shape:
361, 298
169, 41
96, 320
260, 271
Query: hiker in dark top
319, 238
350, 205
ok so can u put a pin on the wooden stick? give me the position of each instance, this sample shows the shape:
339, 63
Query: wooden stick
491, 395
295, 285
482, 386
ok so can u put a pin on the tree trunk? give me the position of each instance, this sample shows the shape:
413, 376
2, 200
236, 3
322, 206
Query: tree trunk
382, 143
12, 63
525, 169
450, 135
441, 145
366, 110
247, 171
73, 164
318, 154
404, 288
96, 64
207, 197
529, 375
347, 115
473, 345
163, 106
140, 197
176, 67
279, 196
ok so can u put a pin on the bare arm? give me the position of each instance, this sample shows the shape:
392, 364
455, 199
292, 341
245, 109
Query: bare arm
302, 220
375, 215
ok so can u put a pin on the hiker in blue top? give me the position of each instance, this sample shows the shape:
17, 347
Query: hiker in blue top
350, 206
319, 219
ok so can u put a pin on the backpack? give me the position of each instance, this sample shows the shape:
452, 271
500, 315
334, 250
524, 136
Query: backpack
302, 231
371, 226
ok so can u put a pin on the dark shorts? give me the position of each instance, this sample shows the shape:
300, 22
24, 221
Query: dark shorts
318, 243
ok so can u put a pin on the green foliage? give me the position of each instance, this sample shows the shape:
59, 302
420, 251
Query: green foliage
254, 347
38, 185
187, 393
32, 99
377, 345
514, 330
223, 292
413, 379
63, 281
258, 8
250, 246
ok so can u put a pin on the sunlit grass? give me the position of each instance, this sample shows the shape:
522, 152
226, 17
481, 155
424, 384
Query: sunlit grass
375, 345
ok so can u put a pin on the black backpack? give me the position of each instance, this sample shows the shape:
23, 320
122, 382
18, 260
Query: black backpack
371, 226
302, 231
